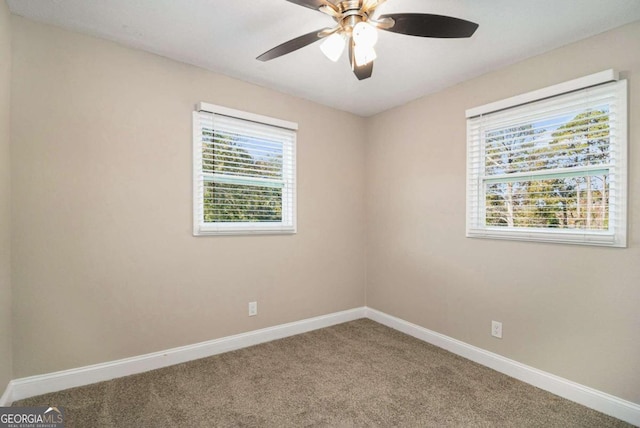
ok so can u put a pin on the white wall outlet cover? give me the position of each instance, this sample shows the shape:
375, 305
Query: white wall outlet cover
253, 308
496, 329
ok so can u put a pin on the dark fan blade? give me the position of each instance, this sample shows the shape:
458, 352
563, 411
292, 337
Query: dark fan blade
427, 25
363, 71
311, 4
290, 46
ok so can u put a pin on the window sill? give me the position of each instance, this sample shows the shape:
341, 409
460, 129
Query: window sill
228, 230
603, 239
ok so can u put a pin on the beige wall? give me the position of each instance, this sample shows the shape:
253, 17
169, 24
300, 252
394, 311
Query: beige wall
105, 263
5, 214
568, 310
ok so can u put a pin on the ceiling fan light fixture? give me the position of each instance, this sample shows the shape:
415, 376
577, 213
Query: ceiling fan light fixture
363, 55
365, 34
333, 46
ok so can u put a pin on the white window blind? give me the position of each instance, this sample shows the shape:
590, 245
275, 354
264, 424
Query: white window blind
244, 173
552, 170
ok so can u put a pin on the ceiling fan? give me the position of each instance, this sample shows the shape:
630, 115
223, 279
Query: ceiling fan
356, 25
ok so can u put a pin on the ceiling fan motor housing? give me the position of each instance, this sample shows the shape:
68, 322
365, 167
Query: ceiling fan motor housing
351, 14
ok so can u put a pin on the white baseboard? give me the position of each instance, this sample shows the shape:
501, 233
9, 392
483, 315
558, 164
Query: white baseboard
589, 397
6, 400
35, 385
19, 389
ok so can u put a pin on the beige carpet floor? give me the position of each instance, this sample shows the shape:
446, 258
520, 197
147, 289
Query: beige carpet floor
359, 374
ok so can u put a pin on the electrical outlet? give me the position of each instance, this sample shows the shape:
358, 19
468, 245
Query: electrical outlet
253, 309
496, 329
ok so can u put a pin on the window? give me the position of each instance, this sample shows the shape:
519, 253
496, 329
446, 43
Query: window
551, 165
244, 173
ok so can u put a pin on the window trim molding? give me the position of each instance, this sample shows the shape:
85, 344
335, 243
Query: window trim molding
239, 228
615, 238
580, 83
258, 118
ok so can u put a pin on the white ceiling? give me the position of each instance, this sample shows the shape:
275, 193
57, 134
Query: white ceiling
227, 35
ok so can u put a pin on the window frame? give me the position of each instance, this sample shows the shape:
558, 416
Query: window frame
288, 225
476, 227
